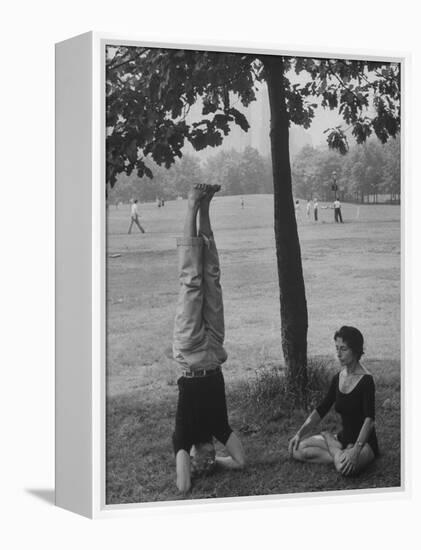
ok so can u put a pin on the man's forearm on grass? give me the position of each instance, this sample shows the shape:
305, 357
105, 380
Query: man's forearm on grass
227, 462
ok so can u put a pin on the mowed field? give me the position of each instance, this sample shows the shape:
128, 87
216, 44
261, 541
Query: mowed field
352, 276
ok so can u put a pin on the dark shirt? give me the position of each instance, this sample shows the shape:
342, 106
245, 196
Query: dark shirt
353, 407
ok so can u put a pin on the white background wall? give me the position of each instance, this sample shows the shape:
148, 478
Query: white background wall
29, 31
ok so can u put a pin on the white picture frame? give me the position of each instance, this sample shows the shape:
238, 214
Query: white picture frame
80, 280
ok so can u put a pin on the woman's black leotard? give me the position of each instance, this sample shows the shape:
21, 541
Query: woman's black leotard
354, 407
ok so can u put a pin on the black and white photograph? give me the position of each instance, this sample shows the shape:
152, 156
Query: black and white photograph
210, 324
253, 273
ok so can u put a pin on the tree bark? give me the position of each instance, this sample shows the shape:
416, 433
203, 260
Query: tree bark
293, 304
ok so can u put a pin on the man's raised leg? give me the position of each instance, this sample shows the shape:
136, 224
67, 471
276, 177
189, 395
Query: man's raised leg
213, 307
213, 314
204, 219
189, 330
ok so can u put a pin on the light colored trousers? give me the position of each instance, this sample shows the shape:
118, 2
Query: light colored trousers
199, 321
135, 219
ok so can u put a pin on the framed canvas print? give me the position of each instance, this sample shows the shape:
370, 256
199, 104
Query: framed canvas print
229, 300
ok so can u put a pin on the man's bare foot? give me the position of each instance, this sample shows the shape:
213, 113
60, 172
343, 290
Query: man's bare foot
212, 189
202, 192
210, 192
197, 193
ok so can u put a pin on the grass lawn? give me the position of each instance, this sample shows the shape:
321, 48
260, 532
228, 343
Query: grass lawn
352, 275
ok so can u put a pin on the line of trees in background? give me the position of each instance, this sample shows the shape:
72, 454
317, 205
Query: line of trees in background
368, 173
238, 174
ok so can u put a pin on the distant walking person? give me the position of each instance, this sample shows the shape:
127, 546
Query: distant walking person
338, 214
134, 214
315, 209
198, 348
308, 208
242, 203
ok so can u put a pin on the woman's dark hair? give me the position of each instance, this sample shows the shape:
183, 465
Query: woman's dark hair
353, 339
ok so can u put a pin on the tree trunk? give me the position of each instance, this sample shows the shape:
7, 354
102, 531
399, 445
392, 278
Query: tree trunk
294, 319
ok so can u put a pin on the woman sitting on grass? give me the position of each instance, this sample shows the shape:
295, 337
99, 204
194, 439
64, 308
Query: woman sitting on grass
352, 393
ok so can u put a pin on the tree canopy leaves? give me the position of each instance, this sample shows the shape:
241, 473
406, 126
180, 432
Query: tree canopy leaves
151, 93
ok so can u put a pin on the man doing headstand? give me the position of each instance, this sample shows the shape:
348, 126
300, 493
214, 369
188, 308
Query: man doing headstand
198, 345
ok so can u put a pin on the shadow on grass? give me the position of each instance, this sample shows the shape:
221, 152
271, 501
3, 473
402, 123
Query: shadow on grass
140, 460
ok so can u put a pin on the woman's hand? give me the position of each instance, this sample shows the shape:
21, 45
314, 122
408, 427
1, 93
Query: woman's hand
293, 444
349, 460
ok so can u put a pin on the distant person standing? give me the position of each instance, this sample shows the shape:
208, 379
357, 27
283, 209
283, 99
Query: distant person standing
242, 203
315, 209
338, 213
134, 215
308, 208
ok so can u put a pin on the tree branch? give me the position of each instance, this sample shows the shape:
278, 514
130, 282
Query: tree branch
133, 58
341, 82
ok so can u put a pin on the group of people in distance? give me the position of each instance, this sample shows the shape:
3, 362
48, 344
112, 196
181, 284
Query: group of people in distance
134, 211
315, 206
198, 348
310, 204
